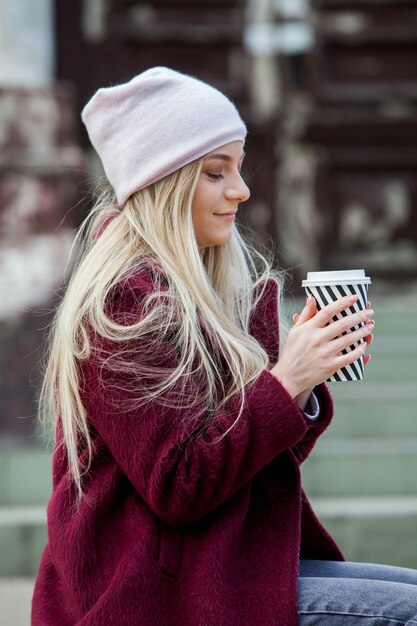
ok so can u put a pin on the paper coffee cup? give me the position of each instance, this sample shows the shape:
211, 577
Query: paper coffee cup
327, 287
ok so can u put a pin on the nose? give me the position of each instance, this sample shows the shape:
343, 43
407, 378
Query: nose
238, 190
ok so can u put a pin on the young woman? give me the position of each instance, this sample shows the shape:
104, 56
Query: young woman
180, 427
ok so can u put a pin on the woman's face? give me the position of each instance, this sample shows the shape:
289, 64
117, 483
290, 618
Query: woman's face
219, 191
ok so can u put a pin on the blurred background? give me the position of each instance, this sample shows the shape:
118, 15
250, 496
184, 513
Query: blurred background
328, 89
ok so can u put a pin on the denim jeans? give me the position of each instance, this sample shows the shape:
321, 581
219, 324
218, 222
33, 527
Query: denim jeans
333, 593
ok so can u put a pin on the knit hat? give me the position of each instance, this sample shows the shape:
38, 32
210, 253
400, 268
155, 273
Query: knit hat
155, 124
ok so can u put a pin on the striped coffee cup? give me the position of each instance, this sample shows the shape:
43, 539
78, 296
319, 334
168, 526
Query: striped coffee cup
327, 287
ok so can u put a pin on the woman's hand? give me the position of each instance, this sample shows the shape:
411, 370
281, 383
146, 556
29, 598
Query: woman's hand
313, 351
307, 313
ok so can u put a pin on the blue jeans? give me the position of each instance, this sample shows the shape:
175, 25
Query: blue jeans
333, 593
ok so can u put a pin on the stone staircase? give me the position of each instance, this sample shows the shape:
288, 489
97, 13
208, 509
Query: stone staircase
362, 476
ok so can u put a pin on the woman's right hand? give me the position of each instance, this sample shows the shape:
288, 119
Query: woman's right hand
313, 351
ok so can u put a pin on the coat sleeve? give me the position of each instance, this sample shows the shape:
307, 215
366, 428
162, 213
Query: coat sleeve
303, 448
182, 479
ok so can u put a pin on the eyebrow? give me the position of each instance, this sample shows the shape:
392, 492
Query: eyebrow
223, 157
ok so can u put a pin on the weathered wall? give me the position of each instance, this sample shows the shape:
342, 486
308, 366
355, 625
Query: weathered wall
41, 174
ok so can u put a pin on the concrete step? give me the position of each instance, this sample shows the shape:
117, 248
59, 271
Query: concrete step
15, 601
394, 359
380, 530
369, 409
395, 319
347, 459
25, 475
362, 467
22, 539
372, 530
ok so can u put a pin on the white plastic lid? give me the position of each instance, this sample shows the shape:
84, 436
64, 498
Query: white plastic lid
337, 277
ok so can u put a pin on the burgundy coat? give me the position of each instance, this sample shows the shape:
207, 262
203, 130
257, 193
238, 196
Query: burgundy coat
208, 534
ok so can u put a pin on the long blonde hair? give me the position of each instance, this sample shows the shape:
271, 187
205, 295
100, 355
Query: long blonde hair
217, 288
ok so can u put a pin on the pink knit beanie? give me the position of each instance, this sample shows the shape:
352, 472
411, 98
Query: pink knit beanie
155, 124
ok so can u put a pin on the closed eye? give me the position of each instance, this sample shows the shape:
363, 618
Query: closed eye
215, 176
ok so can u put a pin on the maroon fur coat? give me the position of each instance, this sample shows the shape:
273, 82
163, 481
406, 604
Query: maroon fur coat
208, 534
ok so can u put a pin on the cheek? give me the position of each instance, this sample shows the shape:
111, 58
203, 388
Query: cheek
202, 222
203, 204
209, 229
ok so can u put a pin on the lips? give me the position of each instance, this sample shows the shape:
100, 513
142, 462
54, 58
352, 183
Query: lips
227, 213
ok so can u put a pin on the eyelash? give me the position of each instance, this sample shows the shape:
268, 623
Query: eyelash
215, 176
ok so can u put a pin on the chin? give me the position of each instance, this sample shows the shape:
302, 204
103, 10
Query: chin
219, 242
215, 241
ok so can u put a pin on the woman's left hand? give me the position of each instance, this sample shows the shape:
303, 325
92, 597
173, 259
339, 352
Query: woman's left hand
307, 313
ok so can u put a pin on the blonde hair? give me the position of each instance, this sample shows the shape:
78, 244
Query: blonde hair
218, 286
